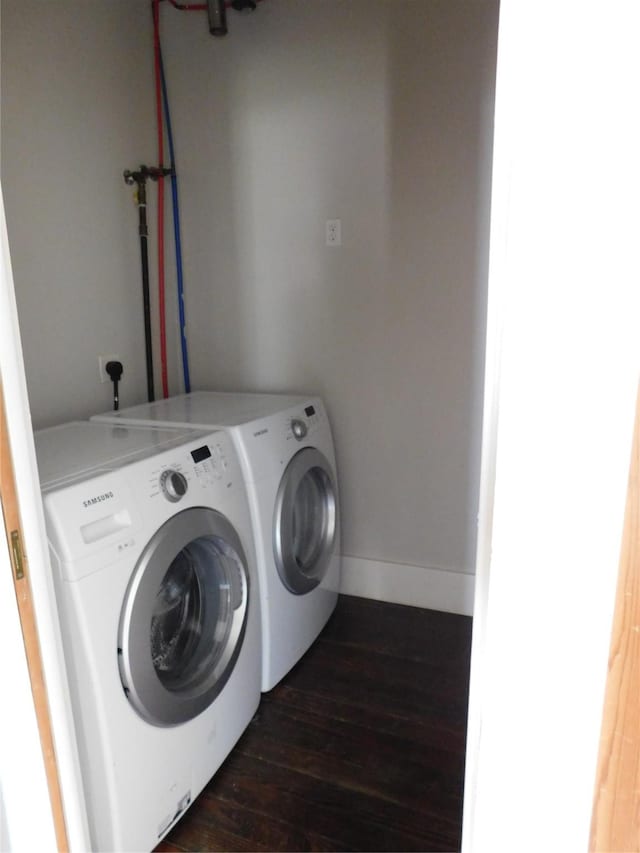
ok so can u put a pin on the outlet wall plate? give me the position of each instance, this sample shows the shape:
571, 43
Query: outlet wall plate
333, 232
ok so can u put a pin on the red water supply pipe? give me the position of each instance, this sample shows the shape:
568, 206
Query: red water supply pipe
160, 126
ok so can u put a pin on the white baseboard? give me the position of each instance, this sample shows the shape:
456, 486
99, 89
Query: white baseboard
433, 589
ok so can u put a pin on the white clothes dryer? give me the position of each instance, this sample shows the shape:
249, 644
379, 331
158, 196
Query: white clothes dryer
286, 451
153, 559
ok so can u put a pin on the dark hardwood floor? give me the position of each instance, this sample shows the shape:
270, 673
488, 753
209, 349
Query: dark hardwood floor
360, 747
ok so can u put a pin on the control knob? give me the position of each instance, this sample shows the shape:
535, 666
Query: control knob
298, 428
173, 484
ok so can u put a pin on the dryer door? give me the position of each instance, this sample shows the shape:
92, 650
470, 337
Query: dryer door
184, 617
305, 521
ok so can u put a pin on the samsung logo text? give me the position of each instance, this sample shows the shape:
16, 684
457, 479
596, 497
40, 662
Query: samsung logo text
98, 499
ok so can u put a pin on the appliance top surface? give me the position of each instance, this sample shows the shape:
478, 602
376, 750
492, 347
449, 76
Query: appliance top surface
70, 450
206, 409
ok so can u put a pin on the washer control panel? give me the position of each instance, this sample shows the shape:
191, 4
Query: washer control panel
173, 485
212, 466
197, 468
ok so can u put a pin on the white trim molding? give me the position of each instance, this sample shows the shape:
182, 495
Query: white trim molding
417, 586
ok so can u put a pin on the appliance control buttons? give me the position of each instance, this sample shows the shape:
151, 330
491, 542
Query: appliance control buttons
222, 457
173, 485
298, 428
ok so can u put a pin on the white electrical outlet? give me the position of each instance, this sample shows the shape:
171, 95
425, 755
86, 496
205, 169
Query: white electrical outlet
103, 360
333, 232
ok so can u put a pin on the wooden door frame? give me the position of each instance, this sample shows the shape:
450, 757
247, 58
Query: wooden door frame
615, 824
14, 537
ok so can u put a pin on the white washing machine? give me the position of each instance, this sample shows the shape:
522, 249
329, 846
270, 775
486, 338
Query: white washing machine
153, 557
286, 451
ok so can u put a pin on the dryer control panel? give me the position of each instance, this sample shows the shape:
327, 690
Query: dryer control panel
303, 424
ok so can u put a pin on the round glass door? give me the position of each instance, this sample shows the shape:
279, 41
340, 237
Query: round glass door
305, 521
184, 617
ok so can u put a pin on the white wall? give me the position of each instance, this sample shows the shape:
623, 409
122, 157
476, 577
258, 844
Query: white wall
377, 112
564, 365
77, 110
380, 114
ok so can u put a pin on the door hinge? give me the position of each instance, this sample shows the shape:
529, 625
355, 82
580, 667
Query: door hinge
16, 553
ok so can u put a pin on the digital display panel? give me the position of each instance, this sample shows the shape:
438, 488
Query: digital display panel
201, 453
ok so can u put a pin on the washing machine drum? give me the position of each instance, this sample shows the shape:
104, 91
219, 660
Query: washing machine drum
305, 521
184, 617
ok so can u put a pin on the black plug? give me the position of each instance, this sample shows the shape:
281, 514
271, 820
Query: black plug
115, 371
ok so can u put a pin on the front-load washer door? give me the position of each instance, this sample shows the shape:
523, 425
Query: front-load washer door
305, 521
184, 617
